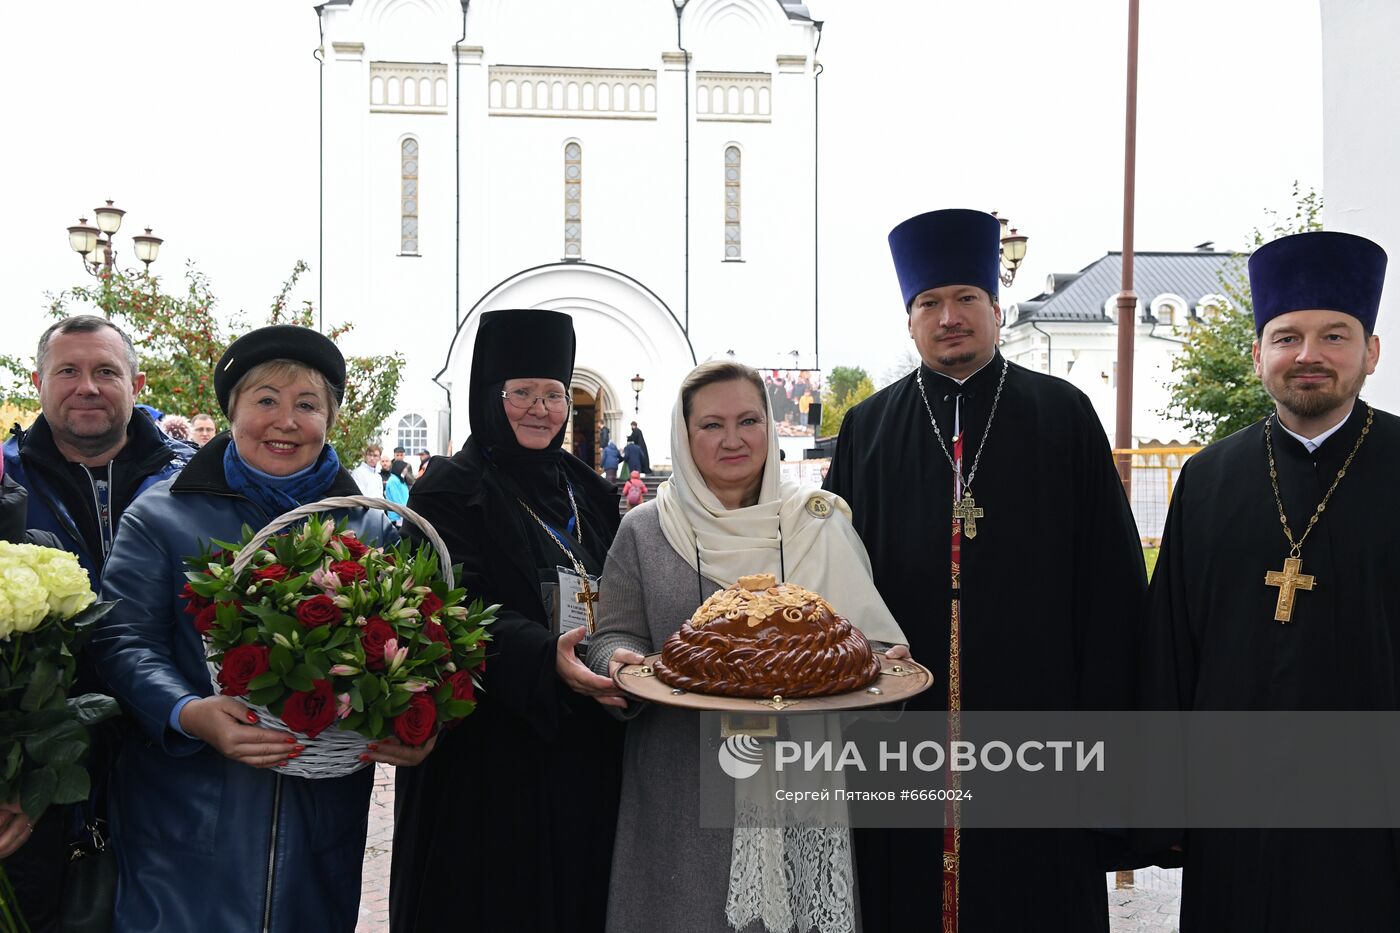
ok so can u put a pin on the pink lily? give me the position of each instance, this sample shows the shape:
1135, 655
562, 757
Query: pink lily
326, 580
394, 656
343, 709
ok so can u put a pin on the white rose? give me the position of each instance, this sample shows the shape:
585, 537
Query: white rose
69, 591
29, 602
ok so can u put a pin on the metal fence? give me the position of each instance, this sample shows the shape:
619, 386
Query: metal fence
1155, 470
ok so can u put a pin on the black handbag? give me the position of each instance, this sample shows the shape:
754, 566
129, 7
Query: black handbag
90, 883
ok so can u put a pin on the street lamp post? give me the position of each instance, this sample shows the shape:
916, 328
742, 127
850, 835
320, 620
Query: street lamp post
1013, 250
95, 243
637, 383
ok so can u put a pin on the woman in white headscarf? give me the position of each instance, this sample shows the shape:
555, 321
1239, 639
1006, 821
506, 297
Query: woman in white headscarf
725, 513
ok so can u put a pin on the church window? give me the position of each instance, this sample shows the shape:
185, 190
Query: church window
732, 242
408, 197
1209, 307
1166, 309
413, 434
573, 200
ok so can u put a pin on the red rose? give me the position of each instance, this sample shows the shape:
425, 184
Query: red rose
273, 572
437, 633
462, 687
204, 621
415, 725
349, 571
241, 665
373, 637
354, 545
318, 610
310, 711
194, 603
429, 606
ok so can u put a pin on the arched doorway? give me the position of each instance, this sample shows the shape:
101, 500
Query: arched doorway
623, 329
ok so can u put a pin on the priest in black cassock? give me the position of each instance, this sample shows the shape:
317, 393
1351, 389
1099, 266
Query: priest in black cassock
1248, 612
1002, 541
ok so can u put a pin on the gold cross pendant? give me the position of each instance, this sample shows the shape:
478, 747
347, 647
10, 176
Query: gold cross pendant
1288, 580
968, 511
588, 598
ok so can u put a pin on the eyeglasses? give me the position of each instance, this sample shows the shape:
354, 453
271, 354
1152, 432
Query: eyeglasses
524, 400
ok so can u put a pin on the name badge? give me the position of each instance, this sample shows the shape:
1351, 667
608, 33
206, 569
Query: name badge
574, 600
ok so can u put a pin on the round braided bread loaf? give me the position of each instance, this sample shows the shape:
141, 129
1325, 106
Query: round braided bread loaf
760, 638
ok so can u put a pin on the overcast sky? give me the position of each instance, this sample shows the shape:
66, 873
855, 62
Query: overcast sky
201, 120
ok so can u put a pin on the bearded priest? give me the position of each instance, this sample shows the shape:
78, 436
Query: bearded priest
1001, 541
1276, 586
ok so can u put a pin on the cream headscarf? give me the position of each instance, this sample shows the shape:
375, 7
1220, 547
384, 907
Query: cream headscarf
810, 527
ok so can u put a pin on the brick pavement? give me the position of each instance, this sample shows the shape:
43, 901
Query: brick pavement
1151, 907
374, 886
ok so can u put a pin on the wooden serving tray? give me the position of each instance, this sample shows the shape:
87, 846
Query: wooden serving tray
898, 681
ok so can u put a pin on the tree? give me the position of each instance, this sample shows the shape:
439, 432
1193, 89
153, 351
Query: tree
180, 340
903, 365
843, 380
1215, 392
845, 386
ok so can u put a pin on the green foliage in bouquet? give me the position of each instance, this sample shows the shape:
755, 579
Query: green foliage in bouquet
47, 611
325, 631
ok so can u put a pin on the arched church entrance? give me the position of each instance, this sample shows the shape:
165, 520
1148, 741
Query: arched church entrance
595, 417
623, 330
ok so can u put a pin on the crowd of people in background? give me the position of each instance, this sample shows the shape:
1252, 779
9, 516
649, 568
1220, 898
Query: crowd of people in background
564, 805
791, 394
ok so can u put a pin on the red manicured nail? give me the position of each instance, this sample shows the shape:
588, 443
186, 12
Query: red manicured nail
289, 740
294, 754
252, 717
281, 764
364, 758
374, 746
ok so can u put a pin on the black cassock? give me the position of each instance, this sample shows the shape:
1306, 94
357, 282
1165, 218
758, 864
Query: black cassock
509, 823
1052, 593
1213, 644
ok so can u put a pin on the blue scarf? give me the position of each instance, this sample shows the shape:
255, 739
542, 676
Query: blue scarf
278, 494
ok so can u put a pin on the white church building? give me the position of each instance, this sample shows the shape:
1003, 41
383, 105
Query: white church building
645, 165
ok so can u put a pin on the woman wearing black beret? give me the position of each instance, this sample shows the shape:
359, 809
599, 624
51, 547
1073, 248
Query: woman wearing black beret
514, 814
209, 834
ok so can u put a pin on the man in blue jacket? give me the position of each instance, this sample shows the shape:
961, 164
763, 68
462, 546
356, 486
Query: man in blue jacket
84, 460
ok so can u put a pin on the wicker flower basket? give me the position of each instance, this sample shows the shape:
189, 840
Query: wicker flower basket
334, 752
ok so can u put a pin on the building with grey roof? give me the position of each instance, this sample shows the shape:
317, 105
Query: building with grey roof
1070, 329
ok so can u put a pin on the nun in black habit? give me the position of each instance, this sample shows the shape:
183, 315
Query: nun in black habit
509, 824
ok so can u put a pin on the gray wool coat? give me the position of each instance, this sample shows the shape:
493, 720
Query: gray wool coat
667, 873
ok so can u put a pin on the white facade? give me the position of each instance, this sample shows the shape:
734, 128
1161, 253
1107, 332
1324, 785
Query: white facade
1070, 330
1361, 150
570, 141
1086, 354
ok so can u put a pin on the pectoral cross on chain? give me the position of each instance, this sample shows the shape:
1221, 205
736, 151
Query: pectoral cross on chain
968, 511
588, 597
1288, 580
